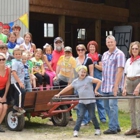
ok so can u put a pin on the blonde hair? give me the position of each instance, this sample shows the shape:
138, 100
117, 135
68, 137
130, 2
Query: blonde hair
81, 67
132, 44
81, 46
17, 49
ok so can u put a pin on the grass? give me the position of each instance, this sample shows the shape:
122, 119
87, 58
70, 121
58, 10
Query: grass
40, 125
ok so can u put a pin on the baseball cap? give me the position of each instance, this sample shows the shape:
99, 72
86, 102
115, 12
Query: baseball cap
58, 39
68, 49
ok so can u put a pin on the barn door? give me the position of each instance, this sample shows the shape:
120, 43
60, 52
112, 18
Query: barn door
123, 36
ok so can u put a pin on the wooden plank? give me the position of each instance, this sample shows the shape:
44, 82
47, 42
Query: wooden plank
98, 33
62, 26
44, 97
79, 9
30, 98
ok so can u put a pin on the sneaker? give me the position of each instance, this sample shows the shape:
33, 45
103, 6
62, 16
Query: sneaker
75, 133
16, 114
20, 110
83, 124
97, 132
110, 132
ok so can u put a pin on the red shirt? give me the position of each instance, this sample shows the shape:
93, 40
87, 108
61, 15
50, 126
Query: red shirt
4, 79
55, 56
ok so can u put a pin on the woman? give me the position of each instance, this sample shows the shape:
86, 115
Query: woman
4, 86
92, 48
82, 59
132, 79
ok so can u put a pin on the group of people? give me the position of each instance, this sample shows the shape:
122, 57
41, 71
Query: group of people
25, 68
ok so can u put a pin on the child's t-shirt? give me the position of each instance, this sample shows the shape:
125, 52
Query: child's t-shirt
66, 66
17, 66
85, 89
37, 64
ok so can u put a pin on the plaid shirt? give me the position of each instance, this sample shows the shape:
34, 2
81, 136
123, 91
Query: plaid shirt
110, 63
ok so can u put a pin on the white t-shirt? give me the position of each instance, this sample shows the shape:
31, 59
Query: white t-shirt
132, 70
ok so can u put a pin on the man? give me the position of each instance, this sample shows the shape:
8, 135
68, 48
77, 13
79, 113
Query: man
113, 62
58, 51
3, 37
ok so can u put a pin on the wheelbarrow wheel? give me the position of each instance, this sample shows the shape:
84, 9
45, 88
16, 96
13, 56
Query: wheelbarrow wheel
61, 119
14, 123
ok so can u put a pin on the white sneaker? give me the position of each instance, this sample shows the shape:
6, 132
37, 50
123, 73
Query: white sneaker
75, 133
97, 132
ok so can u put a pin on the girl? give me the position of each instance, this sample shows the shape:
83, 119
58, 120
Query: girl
11, 42
4, 86
27, 44
38, 69
47, 62
84, 86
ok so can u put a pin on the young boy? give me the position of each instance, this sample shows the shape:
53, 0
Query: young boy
27, 80
17, 82
84, 86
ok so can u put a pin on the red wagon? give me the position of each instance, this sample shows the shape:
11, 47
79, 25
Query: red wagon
40, 103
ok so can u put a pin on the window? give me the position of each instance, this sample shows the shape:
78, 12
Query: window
81, 34
48, 30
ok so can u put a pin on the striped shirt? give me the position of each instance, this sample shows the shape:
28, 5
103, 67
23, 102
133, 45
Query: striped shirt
110, 63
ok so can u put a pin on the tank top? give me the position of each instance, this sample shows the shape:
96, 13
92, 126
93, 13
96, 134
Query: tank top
4, 79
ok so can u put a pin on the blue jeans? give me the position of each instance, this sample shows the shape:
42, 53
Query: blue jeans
111, 107
100, 107
86, 118
28, 85
91, 109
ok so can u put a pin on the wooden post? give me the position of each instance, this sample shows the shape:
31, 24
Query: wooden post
61, 26
98, 33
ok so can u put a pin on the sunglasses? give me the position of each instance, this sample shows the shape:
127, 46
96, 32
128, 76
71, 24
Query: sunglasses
80, 50
3, 59
134, 48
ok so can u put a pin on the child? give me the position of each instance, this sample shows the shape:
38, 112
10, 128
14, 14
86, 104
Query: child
27, 82
84, 86
27, 44
38, 69
4, 49
17, 82
11, 42
47, 62
30, 63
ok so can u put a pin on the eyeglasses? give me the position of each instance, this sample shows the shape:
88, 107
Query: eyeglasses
3, 59
80, 50
135, 48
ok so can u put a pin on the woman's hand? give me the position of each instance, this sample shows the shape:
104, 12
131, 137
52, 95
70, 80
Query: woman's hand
136, 91
3, 99
124, 92
55, 78
97, 94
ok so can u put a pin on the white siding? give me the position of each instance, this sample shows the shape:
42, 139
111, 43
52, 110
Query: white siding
10, 10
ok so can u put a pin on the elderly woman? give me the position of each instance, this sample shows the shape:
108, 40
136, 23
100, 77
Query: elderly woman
4, 86
132, 79
92, 48
82, 59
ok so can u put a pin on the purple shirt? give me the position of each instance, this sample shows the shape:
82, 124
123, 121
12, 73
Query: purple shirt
110, 63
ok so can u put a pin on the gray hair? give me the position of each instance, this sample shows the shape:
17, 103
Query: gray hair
110, 37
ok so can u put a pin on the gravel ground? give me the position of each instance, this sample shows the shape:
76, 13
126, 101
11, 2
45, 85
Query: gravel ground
29, 134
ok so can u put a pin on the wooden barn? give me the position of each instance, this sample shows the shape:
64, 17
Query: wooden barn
79, 21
